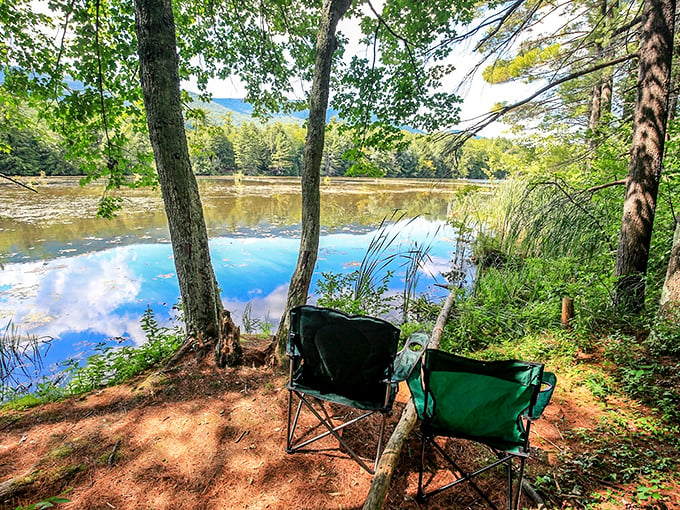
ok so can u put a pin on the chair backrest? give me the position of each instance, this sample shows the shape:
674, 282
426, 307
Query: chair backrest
349, 355
479, 400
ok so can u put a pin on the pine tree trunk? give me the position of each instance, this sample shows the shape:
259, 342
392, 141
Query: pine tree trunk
670, 295
332, 12
649, 132
159, 76
608, 74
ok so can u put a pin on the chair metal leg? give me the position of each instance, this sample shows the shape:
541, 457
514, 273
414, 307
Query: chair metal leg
420, 496
520, 478
331, 430
503, 458
510, 489
291, 429
383, 419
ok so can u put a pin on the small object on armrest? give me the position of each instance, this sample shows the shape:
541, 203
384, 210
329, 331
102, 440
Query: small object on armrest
408, 357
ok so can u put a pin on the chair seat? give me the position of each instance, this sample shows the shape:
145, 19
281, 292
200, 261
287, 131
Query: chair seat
367, 404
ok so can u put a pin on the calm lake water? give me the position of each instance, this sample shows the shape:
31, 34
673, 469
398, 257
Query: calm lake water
84, 281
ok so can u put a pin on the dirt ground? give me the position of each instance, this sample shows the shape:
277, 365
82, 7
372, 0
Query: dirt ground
198, 437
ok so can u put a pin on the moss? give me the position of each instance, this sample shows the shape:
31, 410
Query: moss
61, 451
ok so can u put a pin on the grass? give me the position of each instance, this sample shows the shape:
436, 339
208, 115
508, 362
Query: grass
18, 353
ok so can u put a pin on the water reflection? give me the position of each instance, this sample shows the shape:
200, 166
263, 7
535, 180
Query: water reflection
84, 281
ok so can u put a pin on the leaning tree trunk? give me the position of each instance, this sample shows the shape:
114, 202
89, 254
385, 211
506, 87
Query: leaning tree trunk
326, 43
159, 75
649, 133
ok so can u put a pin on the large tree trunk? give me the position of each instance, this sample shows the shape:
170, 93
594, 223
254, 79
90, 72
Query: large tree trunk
670, 295
158, 69
649, 133
332, 12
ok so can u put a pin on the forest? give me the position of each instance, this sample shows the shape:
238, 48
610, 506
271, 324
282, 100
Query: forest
221, 148
583, 214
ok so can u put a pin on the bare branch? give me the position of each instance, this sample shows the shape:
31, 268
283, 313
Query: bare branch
607, 185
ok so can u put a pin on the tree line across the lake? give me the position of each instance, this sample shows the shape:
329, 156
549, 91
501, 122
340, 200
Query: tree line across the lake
275, 149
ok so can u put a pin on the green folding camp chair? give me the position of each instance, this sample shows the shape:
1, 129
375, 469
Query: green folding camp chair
343, 359
492, 403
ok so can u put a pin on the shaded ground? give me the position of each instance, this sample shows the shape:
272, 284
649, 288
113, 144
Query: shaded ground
196, 437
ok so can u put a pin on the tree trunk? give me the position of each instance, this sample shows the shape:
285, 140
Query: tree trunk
649, 133
332, 12
159, 75
670, 295
608, 74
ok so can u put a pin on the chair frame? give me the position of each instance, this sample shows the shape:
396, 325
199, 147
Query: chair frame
315, 403
430, 433
327, 420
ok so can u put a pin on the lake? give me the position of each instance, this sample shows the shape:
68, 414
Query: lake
84, 281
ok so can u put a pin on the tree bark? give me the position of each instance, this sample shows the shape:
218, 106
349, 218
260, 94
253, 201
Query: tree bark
649, 133
326, 43
159, 75
670, 295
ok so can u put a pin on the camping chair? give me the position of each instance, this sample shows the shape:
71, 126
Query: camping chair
343, 359
492, 403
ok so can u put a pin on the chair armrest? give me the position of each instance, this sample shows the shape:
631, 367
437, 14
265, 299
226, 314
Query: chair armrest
408, 357
291, 349
548, 383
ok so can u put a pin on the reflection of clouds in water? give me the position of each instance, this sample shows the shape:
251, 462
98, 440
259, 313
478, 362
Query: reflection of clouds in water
435, 266
81, 295
270, 306
105, 293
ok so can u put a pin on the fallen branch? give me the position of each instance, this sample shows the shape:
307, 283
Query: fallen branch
375, 500
390, 457
11, 486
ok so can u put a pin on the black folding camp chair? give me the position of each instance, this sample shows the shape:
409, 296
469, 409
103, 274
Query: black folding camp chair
343, 359
492, 403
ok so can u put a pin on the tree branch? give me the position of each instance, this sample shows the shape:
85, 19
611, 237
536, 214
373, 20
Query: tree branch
460, 138
18, 183
607, 185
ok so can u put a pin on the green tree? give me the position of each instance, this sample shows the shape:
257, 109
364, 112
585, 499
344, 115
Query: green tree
159, 76
250, 149
326, 44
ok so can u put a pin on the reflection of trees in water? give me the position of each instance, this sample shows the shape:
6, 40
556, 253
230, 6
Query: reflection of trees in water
65, 213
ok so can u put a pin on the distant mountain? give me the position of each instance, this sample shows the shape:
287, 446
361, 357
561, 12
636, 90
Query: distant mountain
243, 112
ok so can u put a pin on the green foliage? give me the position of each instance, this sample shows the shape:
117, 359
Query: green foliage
112, 366
523, 299
30, 154
527, 59
645, 374
338, 291
50, 502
